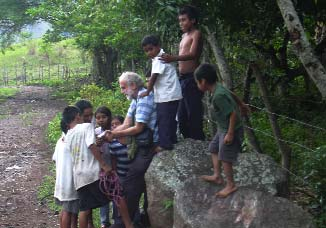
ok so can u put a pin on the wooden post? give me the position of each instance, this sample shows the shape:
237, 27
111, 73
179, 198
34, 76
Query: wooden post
58, 71
16, 74
252, 139
49, 70
42, 72
284, 149
4, 76
7, 76
32, 72
24, 73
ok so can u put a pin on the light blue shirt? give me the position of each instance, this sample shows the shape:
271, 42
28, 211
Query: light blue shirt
145, 112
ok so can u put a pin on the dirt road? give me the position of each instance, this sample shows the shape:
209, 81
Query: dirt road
25, 157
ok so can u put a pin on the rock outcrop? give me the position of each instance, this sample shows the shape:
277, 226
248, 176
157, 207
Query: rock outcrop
196, 206
173, 177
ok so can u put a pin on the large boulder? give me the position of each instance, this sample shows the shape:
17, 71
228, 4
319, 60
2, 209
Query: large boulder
170, 170
196, 206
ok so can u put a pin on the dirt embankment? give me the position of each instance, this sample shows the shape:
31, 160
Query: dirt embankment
25, 157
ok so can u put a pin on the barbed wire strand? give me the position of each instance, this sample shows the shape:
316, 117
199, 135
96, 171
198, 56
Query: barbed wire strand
272, 136
289, 118
282, 140
278, 165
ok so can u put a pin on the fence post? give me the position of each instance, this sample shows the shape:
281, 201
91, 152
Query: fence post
58, 72
32, 73
49, 70
42, 72
24, 73
16, 74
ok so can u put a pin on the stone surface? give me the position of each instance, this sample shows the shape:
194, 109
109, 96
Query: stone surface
196, 206
190, 159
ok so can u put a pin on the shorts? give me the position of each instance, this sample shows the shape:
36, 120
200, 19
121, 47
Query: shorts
228, 153
90, 197
71, 206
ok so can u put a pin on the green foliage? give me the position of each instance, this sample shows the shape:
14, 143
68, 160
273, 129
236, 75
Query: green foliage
46, 190
247, 30
36, 52
167, 204
99, 96
6, 92
308, 164
314, 171
13, 18
54, 130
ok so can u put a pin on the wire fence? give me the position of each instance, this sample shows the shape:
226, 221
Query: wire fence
26, 73
288, 118
305, 148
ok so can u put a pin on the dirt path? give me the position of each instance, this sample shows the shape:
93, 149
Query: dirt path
24, 157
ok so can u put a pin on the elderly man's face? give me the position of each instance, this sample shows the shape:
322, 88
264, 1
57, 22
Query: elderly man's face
129, 91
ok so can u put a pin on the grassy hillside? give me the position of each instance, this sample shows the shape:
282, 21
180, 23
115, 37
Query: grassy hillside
37, 52
34, 60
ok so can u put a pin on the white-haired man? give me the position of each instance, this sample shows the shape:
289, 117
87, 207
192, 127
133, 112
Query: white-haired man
141, 115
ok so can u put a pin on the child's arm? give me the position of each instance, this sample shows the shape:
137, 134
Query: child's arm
150, 85
230, 134
134, 130
97, 154
193, 54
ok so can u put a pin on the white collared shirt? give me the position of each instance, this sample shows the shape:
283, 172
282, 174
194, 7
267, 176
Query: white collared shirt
167, 86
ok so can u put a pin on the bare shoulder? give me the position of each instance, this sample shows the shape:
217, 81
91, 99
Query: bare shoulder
196, 34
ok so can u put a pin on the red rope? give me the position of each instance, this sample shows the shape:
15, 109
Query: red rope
110, 186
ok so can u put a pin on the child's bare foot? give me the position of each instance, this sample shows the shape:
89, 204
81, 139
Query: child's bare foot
226, 191
158, 149
215, 179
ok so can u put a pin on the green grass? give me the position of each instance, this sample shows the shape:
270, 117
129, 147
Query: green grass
7, 92
41, 62
37, 52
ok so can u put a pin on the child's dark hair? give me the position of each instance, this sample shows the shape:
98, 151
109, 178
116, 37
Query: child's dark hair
63, 126
190, 11
105, 110
69, 114
206, 71
150, 39
83, 104
120, 118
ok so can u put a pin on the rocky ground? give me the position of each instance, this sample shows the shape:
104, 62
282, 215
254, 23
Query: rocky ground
25, 157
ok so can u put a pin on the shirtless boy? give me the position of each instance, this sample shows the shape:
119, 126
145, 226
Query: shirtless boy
190, 111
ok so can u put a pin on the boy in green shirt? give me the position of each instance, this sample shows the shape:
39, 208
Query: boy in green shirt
226, 144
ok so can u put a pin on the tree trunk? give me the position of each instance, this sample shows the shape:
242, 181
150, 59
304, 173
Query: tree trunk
221, 62
104, 67
285, 151
253, 141
313, 66
133, 66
